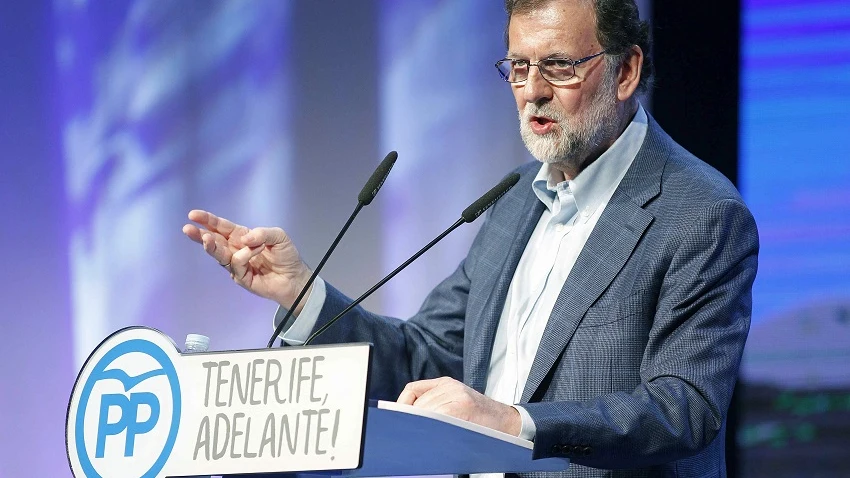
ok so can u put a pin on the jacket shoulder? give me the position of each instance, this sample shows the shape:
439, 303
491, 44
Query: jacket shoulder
688, 178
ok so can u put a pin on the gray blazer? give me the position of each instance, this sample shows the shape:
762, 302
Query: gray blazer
636, 367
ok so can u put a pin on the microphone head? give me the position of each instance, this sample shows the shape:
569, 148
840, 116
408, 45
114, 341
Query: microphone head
489, 198
373, 185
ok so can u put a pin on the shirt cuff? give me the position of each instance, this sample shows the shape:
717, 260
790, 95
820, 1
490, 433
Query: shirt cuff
529, 429
299, 328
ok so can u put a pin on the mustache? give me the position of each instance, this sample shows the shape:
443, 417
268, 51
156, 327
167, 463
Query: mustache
546, 110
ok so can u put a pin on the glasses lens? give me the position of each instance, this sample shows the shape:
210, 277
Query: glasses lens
513, 70
557, 69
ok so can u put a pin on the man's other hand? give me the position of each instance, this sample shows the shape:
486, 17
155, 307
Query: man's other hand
450, 397
262, 260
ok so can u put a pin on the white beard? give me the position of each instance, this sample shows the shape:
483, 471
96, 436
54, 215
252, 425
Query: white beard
573, 138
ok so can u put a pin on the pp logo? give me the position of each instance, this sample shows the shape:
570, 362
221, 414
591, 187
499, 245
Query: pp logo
128, 413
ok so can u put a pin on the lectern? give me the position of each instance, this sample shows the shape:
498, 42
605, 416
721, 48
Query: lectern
140, 408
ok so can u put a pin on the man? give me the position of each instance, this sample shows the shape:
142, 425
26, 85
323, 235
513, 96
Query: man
603, 306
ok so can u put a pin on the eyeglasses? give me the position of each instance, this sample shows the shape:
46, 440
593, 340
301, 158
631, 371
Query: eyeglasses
558, 71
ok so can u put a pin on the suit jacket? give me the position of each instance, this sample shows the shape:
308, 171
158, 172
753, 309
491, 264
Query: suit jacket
636, 367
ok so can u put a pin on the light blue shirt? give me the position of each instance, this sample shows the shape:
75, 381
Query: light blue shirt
573, 208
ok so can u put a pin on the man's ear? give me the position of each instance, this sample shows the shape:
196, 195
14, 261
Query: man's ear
629, 77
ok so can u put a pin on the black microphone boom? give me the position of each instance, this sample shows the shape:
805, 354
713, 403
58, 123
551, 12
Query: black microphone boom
469, 214
367, 194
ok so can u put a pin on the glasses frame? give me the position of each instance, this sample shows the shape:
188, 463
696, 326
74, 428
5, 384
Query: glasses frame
573, 64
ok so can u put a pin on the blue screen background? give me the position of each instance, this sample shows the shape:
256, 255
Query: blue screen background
795, 177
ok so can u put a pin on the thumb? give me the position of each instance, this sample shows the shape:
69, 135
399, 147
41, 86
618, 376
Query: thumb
268, 236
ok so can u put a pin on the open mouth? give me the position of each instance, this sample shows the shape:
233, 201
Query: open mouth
541, 124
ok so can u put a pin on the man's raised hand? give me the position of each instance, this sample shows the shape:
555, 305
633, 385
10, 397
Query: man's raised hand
263, 260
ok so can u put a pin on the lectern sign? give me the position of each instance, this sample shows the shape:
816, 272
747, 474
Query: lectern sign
140, 409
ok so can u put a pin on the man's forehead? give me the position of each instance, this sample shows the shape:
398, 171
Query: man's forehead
565, 27
548, 9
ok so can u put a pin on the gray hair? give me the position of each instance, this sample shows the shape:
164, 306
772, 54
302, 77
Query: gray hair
618, 27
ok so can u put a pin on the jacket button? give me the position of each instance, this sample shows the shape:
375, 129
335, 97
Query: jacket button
586, 450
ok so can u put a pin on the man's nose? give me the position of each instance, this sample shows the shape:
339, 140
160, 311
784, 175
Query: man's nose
536, 89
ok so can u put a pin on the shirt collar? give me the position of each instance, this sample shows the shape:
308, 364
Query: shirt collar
595, 185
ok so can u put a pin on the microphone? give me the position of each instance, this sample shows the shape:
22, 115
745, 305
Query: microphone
367, 194
469, 214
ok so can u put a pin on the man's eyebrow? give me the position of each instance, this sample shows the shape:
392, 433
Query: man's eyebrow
559, 54
554, 54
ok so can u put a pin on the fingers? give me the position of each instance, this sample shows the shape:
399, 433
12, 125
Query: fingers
193, 232
414, 390
268, 236
442, 395
216, 246
235, 233
266, 253
239, 261
450, 397
218, 235
215, 224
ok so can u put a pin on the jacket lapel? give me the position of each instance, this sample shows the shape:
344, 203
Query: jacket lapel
479, 337
606, 251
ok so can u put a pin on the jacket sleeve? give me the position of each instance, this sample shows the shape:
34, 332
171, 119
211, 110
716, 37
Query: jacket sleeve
428, 345
690, 364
